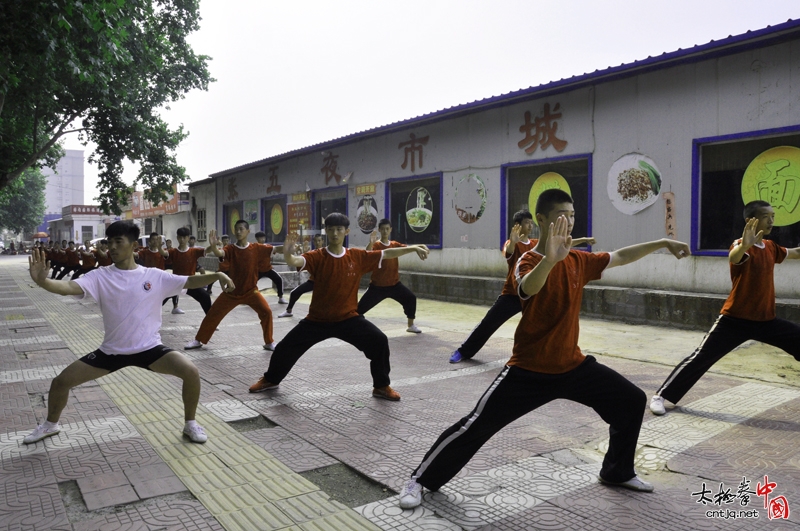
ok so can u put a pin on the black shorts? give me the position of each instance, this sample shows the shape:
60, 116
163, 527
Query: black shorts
115, 362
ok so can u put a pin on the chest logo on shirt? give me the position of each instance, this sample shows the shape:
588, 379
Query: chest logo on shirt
147, 286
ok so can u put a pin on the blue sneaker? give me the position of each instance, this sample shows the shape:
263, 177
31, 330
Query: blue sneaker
456, 357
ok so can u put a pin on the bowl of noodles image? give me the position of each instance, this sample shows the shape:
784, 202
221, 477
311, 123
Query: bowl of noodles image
367, 214
634, 183
419, 219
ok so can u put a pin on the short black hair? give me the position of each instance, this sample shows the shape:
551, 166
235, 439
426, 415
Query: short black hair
71, 242
383, 222
224, 236
183, 231
103, 242
336, 219
550, 198
751, 208
261, 234
153, 234
522, 214
246, 224
123, 228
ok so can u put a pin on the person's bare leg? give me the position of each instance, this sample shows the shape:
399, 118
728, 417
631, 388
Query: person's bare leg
176, 364
75, 374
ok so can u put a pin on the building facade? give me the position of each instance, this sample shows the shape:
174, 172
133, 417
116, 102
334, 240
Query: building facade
671, 146
64, 185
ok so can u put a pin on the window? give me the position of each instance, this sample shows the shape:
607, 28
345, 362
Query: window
525, 183
275, 218
414, 206
231, 213
328, 202
729, 172
201, 224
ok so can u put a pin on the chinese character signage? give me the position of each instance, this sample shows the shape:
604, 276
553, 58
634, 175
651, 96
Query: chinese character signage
274, 187
299, 214
329, 167
541, 132
365, 189
774, 177
412, 151
142, 208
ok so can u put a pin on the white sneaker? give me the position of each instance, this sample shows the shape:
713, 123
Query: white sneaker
281, 300
41, 433
177, 311
271, 346
411, 495
287, 313
657, 405
195, 433
413, 329
192, 344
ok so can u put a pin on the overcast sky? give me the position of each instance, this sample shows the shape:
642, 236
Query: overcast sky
294, 73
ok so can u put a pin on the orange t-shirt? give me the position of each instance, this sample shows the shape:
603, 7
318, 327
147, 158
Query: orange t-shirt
89, 260
265, 258
753, 293
185, 262
72, 258
519, 250
242, 266
102, 260
388, 274
546, 339
150, 258
336, 280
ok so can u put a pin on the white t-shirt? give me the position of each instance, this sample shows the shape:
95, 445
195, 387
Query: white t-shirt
130, 301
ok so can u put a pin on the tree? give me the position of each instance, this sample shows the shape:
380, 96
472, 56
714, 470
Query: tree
109, 65
22, 203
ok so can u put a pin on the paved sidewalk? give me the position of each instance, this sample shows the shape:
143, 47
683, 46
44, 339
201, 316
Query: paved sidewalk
120, 462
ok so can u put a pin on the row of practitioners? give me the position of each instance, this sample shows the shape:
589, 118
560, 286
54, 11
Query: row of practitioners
546, 363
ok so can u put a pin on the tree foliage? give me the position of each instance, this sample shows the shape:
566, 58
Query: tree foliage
22, 203
108, 65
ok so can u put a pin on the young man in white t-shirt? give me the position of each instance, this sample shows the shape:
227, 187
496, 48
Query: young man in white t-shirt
129, 297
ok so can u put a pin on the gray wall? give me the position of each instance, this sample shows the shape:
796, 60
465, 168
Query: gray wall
657, 114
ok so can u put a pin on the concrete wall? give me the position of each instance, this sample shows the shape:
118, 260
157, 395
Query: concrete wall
657, 114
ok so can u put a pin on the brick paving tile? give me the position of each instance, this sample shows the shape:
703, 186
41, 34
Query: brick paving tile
109, 497
102, 482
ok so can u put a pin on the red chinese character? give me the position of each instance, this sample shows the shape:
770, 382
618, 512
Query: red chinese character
412, 147
329, 168
765, 490
542, 131
778, 508
232, 192
274, 187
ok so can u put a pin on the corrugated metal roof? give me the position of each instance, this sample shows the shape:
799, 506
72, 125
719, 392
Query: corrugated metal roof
730, 45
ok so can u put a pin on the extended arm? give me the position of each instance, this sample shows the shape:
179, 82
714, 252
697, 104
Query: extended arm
291, 259
198, 281
630, 254
588, 240
421, 250
793, 254
39, 267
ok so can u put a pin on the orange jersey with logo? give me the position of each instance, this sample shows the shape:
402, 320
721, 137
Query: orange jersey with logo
336, 281
149, 258
753, 294
388, 274
185, 262
242, 266
546, 339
